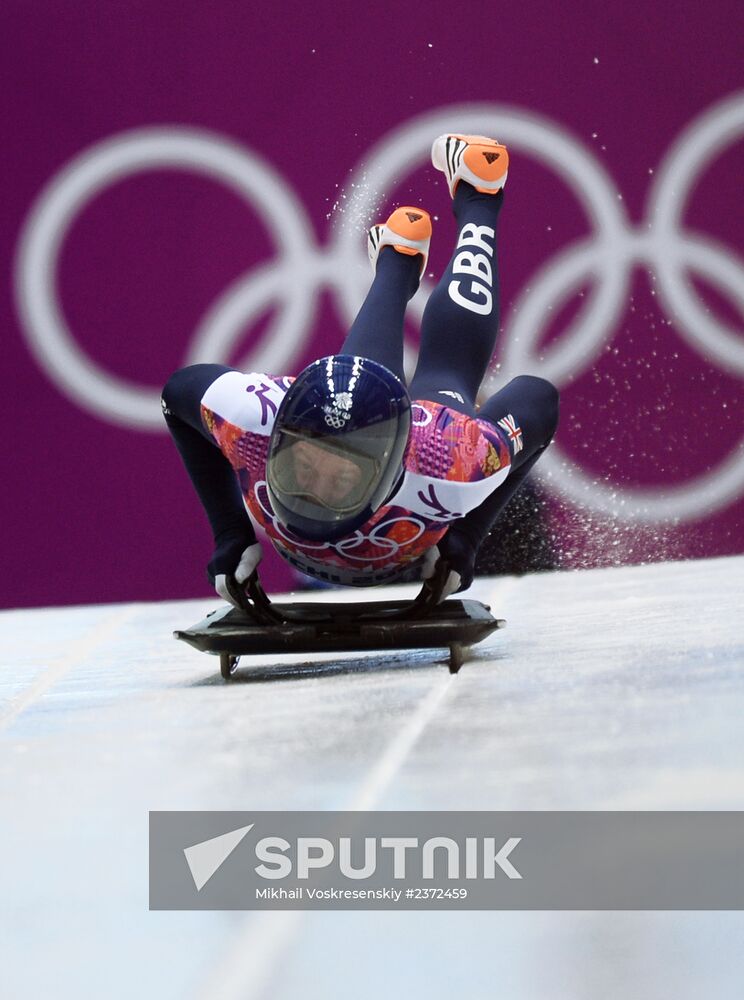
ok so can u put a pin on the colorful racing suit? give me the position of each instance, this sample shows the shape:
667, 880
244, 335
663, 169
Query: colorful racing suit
452, 463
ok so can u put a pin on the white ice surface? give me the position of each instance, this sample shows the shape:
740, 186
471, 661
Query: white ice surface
609, 689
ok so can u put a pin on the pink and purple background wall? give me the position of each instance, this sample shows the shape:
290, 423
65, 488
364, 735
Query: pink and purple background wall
182, 181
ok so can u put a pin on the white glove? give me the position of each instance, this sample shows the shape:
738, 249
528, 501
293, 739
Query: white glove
428, 568
249, 560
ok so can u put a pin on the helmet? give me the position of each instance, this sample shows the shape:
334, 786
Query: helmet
336, 449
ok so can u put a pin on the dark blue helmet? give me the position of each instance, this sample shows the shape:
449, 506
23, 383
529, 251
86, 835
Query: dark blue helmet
336, 450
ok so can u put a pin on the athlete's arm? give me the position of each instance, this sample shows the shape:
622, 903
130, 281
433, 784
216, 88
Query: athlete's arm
459, 547
236, 549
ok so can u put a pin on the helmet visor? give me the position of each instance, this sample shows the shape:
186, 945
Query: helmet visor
329, 477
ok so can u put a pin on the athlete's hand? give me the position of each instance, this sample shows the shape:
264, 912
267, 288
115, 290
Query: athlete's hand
457, 551
233, 558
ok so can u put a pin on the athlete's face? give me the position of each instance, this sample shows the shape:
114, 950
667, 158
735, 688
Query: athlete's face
327, 477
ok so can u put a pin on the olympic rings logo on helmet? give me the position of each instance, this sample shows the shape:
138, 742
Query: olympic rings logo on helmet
335, 418
301, 270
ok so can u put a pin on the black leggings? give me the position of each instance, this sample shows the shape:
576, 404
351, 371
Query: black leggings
458, 329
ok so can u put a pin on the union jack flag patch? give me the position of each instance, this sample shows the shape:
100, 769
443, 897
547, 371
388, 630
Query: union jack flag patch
514, 431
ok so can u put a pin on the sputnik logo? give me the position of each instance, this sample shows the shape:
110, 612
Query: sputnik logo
309, 854
205, 858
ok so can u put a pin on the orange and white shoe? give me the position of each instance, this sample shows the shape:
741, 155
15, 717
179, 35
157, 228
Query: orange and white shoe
407, 230
480, 161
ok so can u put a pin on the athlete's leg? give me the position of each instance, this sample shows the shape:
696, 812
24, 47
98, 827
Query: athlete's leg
460, 322
398, 251
377, 331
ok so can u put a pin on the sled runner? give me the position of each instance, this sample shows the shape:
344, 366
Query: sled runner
259, 626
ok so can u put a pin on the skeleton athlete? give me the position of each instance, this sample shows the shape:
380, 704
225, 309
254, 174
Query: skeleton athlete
353, 476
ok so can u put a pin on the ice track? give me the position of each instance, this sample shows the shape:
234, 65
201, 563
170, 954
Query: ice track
609, 689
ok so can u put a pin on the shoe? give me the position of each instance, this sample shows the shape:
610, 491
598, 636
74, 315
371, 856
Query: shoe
480, 161
407, 230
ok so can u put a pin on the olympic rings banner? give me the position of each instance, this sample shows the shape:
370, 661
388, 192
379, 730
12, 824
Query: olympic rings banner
175, 203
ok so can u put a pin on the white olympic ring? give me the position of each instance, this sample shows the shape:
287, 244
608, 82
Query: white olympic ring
301, 270
103, 165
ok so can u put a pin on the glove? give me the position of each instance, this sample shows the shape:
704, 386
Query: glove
459, 553
233, 558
